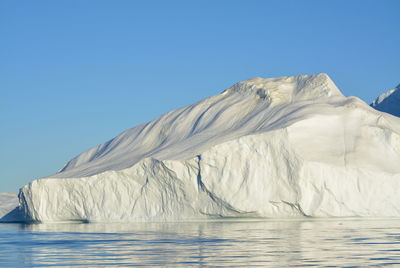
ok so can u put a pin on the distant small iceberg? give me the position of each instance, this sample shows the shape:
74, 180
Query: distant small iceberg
9, 208
388, 102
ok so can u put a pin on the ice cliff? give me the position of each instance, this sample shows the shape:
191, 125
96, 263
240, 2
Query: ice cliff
282, 147
388, 102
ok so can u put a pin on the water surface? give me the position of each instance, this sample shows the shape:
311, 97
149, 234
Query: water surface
274, 243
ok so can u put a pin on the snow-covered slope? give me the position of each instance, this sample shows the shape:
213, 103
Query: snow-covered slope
283, 147
388, 102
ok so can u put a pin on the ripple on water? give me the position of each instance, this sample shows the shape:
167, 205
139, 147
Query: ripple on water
274, 243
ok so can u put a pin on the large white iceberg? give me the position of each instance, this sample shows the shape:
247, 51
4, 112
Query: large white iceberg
282, 147
388, 102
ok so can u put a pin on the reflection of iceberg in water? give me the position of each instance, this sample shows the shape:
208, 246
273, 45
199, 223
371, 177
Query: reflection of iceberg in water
278, 243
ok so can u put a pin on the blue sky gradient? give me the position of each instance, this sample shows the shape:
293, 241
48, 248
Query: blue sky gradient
74, 74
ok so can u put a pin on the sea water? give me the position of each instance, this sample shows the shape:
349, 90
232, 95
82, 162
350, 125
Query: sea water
234, 242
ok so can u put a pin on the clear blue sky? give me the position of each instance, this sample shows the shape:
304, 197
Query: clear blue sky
74, 74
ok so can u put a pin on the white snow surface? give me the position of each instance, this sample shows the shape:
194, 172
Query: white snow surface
8, 202
388, 102
282, 147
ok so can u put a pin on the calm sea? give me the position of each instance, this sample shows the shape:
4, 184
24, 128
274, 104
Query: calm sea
267, 243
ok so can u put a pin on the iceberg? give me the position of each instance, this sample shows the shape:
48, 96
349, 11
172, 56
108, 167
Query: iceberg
273, 148
388, 102
8, 201
9, 208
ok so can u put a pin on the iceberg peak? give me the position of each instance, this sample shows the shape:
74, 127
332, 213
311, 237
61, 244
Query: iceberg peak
288, 88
